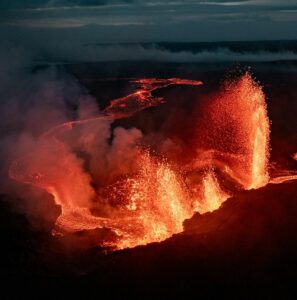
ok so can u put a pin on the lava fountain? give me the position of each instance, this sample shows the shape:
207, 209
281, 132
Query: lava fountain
233, 136
139, 195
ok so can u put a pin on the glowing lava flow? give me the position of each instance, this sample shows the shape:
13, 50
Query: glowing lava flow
285, 175
154, 200
125, 107
146, 199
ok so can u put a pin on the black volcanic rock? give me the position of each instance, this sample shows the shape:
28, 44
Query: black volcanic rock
244, 250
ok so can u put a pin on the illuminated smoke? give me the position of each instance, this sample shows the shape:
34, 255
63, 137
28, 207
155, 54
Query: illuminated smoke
104, 178
139, 198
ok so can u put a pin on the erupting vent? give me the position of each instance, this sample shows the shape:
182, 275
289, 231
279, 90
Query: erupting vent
138, 195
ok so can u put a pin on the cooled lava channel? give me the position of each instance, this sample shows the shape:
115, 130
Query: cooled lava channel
140, 196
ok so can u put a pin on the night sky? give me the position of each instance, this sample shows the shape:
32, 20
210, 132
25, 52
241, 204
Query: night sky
96, 21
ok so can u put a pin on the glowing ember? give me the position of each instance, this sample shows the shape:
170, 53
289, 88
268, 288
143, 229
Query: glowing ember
139, 196
213, 195
259, 138
159, 198
235, 133
152, 199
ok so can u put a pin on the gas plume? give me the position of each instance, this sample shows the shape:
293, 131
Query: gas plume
107, 178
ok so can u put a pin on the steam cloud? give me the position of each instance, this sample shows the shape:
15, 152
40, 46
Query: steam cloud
31, 103
96, 156
135, 52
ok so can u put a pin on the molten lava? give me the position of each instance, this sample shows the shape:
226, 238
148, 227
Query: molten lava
234, 135
213, 196
126, 106
136, 194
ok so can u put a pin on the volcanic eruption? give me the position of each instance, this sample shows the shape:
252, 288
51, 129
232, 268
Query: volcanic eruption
107, 178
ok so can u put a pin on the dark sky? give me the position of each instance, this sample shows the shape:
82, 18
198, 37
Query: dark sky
92, 21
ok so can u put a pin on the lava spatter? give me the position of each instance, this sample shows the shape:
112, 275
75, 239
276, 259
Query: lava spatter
147, 199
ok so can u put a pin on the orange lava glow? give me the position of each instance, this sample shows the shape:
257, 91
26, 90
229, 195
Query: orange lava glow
137, 195
236, 133
213, 195
126, 106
